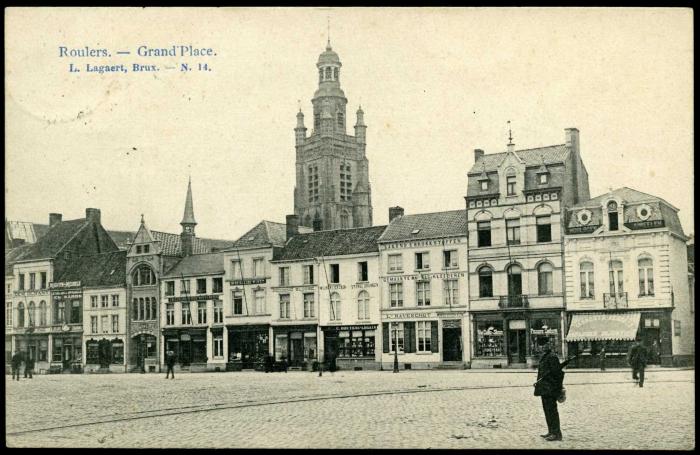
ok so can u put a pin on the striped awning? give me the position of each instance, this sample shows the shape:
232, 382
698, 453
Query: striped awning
601, 326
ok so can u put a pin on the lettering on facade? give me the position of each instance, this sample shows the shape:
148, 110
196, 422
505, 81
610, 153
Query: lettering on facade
245, 281
193, 298
364, 285
645, 224
422, 276
420, 243
30, 293
426, 315
65, 284
351, 327
333, 287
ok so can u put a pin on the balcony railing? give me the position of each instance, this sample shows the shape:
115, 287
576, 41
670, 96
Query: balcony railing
614, 301
512, 301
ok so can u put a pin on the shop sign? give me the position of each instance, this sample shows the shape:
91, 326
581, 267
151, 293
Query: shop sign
544, 332
417, 315
65, 284
333, 287
364, 285
352, 327
518, 324
68, 294
422, 277
194, 298
645, 224
420, 243
451, 324
246, 281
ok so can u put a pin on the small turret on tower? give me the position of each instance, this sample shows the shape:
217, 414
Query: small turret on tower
360, 127
300, 130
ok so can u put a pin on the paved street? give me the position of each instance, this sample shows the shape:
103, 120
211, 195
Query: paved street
422, 409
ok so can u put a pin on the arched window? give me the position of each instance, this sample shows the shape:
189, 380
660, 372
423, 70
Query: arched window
328, 73
335, 74
32, 314
8, 314
515, 280
616, 278
335, 307
143, 276
485, 282
344, 220
612, 216
135, 310
587, 280
341, 120
363, 305
59, 316
646, 277
545, 283
153, 308
20, 314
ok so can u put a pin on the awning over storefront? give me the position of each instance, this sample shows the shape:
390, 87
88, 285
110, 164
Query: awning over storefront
601, 326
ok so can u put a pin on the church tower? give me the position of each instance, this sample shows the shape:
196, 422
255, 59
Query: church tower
332, 186
188, 223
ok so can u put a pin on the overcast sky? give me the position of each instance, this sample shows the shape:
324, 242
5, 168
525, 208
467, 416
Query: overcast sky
434, 85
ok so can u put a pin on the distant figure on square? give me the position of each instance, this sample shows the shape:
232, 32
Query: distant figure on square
550, 378
170, 363
28, 366
602, 355
16, 364
637, 358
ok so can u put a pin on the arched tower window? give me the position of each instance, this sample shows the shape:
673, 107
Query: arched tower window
328, 73
335, 74
341, 120
320, 74
344, 220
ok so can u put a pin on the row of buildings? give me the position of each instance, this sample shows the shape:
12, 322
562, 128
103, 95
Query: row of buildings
531, 255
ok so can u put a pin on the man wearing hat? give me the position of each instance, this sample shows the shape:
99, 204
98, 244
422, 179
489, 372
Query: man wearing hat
549, 386
170, 363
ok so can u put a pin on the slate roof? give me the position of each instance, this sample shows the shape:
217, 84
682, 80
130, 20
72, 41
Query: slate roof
171, 244
265, 233
197, 264
104, 270
428, 225
532, 157
52, 242
627, 194
338, 242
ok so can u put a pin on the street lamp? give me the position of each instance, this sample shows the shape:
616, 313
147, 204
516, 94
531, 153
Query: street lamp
396, 348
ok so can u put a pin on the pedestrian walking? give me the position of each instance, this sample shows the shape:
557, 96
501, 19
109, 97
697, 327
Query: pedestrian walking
602, 359
550, 378
16, 364
28, 366
170, 363
637, 358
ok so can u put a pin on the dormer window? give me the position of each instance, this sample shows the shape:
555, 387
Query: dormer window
544, 178
510, 185
484, 185
612, 216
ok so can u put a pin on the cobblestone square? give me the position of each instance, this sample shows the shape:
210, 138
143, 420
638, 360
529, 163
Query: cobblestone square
412, 409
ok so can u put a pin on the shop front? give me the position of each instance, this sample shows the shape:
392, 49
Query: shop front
66, 344
413, 338
296, 344
144, 352
104, 355
247, 346
67, 353
189, 346
350, 347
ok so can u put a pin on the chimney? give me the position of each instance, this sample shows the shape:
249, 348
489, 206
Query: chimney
292, 226
54, 219
93, 215
395, 212
17, 242
478, 153
572, 140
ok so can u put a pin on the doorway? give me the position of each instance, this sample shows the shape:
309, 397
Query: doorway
452, 344
516, 345
651, 338
296, 353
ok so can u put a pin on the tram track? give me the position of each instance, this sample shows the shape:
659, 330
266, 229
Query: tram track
191, 409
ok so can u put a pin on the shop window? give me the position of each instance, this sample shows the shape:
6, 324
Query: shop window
451, 292
284, 276
201, 285
587, 280
201, 312
335, 307
92, 352
117, 351
237, 303
57, 354
260, 307
335, 273
170, 314
651, 323
422, 261
281, 351
284, 306
217, 285
395, 262
396, 295
616, 278
612, 216
218, 347
483, 230
450, 259
93, 324
646, 277
490, 338
423, 293
363, 305
362, 273
485, 282
43, 350
356, 343
545, 282
308, 274
218, 311
544, 228
396, 337
513, 231
544, 328
424, 336
309, 305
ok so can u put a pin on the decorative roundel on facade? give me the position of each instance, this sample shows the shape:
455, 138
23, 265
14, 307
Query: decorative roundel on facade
644, 212
584, 216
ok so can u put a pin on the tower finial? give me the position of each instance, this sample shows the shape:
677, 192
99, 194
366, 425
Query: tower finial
142, 222
510, 135
328, 46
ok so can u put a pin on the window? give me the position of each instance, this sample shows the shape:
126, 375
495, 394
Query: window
309, 305
258, 270
484, 185
485, 282
344, 220
587, 280
57, 354
105, 324
185, 287
423, 328
169, 288
510, 185
489, 338
483, 230
422, 261
236, 270
515, 280
154, 308
42, 313
646, 277
395, 263
612, 216
396, 294
186, 314
43, 280
356, 343
93, 324
544, 178
117, 351
260, 302
146, 248
76, 312
396, 337
201, 312
104, 301
8, 314
31, 314
170, 314
138, 249
341, 122
312, 176
135, 310
218, 311
450, 259
308, 274
362, 274
328, 72
201, 285
143, 276
115, 299
115, 323
545, 283
363, 305
616, 278
218, 346
60, 312
320, 74
335, 307
345, 184
284, 276
513, 231
335, 273
43, 350
93, 301
237, 303
423, 293
284, 306
451, 292
335, 73
20, 284
676, 328
217, 285
32, 281
544, 228
317, 117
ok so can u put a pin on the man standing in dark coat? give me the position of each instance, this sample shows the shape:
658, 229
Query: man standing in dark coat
28, 366
16, 363
549, 386
637, 358
170, 363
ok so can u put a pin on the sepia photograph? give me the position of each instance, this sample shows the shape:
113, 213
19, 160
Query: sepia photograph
369, 228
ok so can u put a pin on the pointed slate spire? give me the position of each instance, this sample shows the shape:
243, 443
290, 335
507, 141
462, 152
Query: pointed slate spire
188, 216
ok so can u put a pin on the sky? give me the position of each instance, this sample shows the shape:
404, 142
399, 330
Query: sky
434, 85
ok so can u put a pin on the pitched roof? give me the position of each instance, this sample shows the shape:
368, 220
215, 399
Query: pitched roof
624, 193
426, 226
197, 264
171, 244
531, 157
338, 242
263, 234
54, 240
104, 269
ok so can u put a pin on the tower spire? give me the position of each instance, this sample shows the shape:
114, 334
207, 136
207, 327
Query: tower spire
188, 216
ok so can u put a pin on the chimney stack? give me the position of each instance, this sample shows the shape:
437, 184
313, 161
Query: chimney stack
292, 226
572, 140
93, 215
395, 212
478, 153
54, 219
